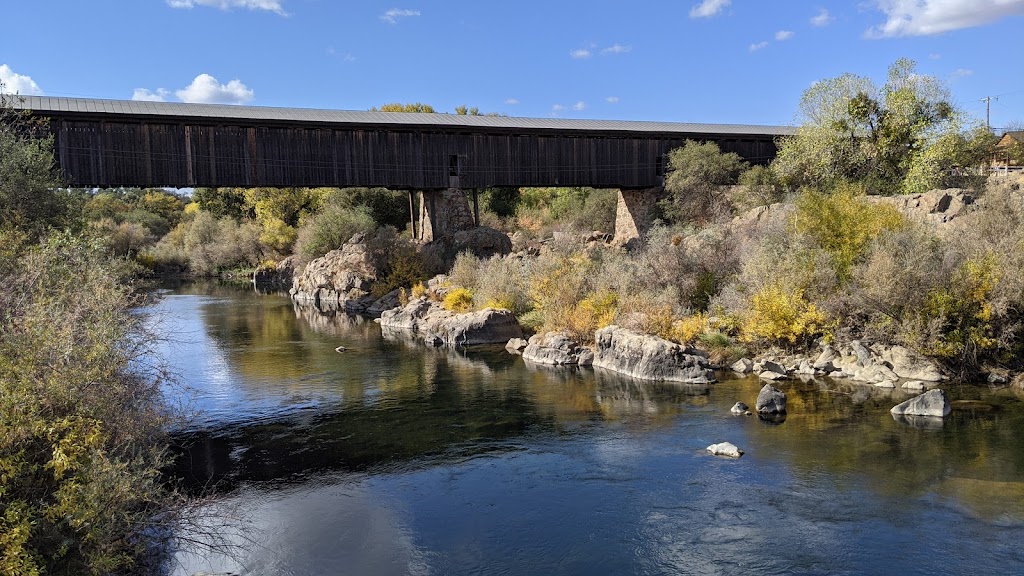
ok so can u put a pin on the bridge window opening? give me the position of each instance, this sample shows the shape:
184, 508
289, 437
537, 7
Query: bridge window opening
454, 165
659, 165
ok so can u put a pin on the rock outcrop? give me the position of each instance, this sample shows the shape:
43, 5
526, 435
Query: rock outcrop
341, 279
649, 357
771, 400
279, 277
557, 349
935, 206
440, 327
933, 403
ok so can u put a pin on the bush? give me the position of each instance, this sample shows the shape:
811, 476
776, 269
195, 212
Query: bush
694, 180
458, 300
332, 228
81, 428
208, 246
780, 316
843, 223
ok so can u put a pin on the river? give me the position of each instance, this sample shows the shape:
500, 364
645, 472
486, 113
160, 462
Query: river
394, 458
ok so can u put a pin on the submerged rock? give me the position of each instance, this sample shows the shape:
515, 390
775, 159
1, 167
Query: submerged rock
725, 449
771, 400
933, 403
649, 357
557, 349
739, 408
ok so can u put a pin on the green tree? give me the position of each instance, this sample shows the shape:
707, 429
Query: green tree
694, 180
222, 202
410, 107
901, 137
31, 197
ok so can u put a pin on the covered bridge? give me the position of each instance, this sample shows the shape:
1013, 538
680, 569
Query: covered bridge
112, 143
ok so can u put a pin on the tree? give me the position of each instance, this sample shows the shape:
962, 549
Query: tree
464, 111
902, 137
31, 197
694, 180
399, 107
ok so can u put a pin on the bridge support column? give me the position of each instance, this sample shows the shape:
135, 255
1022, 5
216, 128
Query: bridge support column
634, 213
443, 212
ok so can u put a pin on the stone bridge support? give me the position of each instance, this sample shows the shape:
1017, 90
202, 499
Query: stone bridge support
634, 213
442, 213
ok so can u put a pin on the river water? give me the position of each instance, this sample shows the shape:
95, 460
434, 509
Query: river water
393, 458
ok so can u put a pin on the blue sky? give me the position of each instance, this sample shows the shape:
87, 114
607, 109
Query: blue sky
727, 61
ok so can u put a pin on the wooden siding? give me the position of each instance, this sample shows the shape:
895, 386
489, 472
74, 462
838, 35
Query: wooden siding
109, 153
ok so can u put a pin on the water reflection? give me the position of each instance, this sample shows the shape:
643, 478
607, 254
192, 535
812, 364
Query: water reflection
395, 458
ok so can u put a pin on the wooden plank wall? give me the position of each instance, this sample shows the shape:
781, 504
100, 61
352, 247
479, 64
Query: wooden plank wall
109, 154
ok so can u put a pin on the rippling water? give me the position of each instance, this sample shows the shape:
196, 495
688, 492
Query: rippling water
392, 458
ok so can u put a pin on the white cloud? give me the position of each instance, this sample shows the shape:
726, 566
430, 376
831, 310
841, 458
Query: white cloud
268, 5
708, 8
758, 46
612, 99
206, 90
14, 83
823, 18
783, 35
616, 49
511, 101
579, 54
556, 108
962, 72
579, 106
145, 95
928, 17
393, 15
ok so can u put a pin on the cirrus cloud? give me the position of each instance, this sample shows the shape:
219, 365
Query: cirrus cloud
268, 5
393, 15
709, 8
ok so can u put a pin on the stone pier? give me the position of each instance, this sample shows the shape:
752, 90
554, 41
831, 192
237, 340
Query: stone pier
441, 213
634, 213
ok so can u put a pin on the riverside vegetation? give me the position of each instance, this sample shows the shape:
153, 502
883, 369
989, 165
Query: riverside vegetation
821, 245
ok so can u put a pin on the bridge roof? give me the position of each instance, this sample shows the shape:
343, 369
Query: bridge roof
220, 112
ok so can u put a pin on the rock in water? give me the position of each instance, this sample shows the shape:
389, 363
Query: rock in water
725, 449
771, 400
649, 357
743, 366
516, 345
557, 349
931, 403
739, 408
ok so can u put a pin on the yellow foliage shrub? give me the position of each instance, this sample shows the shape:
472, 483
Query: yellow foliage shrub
843, 223
591, 314
963, 312
459, 300
690, 328
783, 316
419, 290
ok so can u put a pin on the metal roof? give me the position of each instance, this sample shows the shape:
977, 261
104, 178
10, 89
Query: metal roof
44, 104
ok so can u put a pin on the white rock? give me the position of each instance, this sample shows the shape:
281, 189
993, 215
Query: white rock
725, 449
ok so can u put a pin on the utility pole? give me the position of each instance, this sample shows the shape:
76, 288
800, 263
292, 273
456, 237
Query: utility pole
988, 110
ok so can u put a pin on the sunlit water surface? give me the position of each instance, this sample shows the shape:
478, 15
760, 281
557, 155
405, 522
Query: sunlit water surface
394, 458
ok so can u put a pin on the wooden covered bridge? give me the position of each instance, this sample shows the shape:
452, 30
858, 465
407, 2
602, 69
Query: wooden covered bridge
113, 143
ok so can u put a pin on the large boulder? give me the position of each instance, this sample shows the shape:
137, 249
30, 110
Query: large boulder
340, 279
431, 321
649, 357
935, 206
557, 349
771, 400
278, 277
909, 364
931, 403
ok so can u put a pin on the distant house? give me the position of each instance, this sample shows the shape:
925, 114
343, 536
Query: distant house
1009, 150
